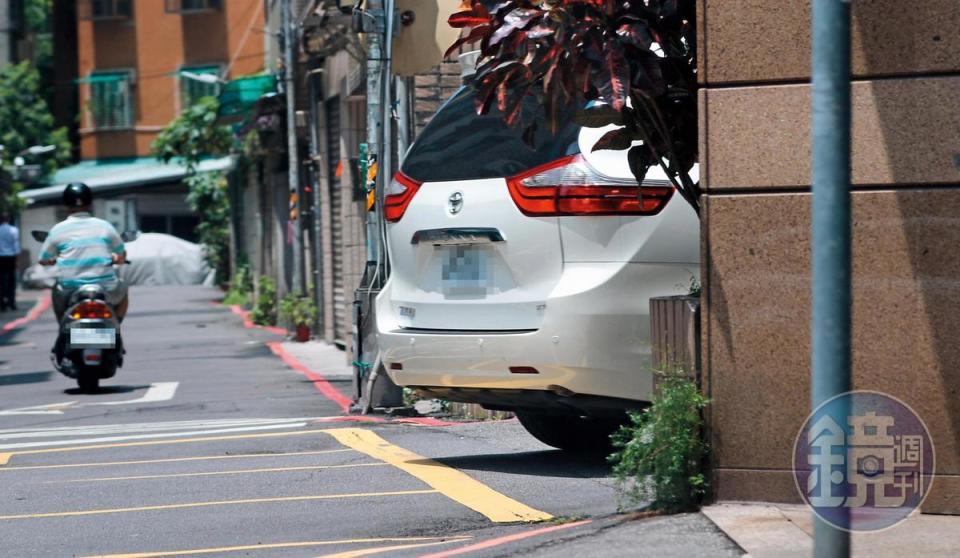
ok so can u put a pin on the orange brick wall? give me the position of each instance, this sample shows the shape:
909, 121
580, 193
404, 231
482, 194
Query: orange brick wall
155, 44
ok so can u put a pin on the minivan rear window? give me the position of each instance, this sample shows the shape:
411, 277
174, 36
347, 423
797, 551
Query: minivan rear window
460, 145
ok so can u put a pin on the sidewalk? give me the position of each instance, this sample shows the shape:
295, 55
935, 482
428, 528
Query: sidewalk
322, 358
786, 531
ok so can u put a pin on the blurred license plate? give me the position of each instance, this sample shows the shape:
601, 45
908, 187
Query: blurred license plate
92, 337
465, 269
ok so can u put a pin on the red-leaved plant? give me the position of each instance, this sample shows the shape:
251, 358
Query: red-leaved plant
638, 57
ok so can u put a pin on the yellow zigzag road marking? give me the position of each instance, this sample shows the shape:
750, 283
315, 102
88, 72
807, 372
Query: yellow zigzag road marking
215, 473
173, 460
218, 503
5, 457
450, 482
381, 549
278, 545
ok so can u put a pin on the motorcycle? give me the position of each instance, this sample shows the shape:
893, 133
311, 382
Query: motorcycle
89, 347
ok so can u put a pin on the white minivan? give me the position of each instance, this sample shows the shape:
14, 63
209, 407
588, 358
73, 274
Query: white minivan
521, 276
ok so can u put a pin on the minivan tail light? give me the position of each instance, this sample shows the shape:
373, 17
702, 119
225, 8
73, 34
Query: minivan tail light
570, 186
398, 196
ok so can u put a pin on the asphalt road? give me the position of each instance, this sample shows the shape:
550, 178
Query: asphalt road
207, 443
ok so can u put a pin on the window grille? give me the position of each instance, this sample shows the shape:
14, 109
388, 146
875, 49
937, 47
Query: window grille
105, 9
192, 90
111, 100
188, 6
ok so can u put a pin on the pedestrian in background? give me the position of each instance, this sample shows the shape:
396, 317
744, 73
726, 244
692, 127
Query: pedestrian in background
9, 250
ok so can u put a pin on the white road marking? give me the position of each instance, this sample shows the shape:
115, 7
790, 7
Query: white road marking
52, 409
143, 428
148, 436
163, 391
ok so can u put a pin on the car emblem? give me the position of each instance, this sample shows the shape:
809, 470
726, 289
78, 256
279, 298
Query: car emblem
456, 203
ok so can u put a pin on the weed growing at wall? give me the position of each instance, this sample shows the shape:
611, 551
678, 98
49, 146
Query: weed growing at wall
661, 451
241, 288
265, 307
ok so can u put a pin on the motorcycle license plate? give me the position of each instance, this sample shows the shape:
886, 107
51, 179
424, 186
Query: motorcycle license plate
105, 338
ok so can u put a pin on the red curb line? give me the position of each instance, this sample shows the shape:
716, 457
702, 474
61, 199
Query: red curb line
319, 382
248, 323
40, 307
490, 543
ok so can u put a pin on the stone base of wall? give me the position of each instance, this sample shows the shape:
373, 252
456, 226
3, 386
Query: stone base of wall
476, 412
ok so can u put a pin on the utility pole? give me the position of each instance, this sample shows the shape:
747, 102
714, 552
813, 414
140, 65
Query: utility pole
831, 231
293, 172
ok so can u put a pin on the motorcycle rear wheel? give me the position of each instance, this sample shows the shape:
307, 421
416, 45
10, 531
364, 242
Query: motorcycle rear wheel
88, 382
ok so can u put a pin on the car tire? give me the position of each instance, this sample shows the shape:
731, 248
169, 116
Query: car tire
570, 432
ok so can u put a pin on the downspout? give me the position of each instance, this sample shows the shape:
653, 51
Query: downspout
831, 230
319, 163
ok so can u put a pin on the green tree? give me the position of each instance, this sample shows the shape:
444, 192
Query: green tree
36, 15
189, 138
194, 135
25, 121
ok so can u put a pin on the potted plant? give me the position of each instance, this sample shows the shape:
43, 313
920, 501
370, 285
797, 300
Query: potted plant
299, 311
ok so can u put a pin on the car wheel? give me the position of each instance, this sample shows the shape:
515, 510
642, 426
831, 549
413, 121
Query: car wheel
570, 432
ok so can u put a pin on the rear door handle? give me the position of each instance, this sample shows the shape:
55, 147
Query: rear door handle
460, 235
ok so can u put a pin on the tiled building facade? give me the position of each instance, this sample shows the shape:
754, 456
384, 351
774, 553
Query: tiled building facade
755, 148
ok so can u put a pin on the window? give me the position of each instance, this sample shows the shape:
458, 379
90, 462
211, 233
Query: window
106, 9
111, 99
187, 6
193, 86
459, 145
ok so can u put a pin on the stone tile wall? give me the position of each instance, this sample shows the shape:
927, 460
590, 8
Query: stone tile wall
755, 148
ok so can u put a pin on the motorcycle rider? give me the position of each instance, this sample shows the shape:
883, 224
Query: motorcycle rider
84, 249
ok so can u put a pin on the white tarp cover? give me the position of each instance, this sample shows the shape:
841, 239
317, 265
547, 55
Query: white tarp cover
161, 259
155, 259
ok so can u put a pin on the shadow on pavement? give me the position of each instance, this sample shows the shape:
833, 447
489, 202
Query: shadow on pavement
105, 390
552, 463
25, 378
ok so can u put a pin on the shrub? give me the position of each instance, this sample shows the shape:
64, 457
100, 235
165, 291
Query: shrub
241, 287
661, 450
265, 308
298, 310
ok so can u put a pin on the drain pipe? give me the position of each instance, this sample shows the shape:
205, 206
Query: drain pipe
320, 175
831, 228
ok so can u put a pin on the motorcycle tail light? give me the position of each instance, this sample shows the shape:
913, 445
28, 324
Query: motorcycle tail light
91, 310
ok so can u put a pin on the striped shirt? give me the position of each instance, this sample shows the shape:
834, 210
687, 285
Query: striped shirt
83, 247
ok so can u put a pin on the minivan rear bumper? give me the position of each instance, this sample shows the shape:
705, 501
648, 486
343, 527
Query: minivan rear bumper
594, 342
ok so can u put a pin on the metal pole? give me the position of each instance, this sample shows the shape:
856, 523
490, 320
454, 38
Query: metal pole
316, 97
403, 118
831, 227
293, 172
374, 115
386, 159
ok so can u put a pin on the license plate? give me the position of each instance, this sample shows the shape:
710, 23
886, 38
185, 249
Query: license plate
93, 337
465, 269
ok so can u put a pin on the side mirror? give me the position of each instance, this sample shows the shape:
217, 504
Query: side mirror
130, 236
39, 236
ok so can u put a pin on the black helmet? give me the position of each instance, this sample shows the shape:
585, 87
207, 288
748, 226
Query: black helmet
77, 194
